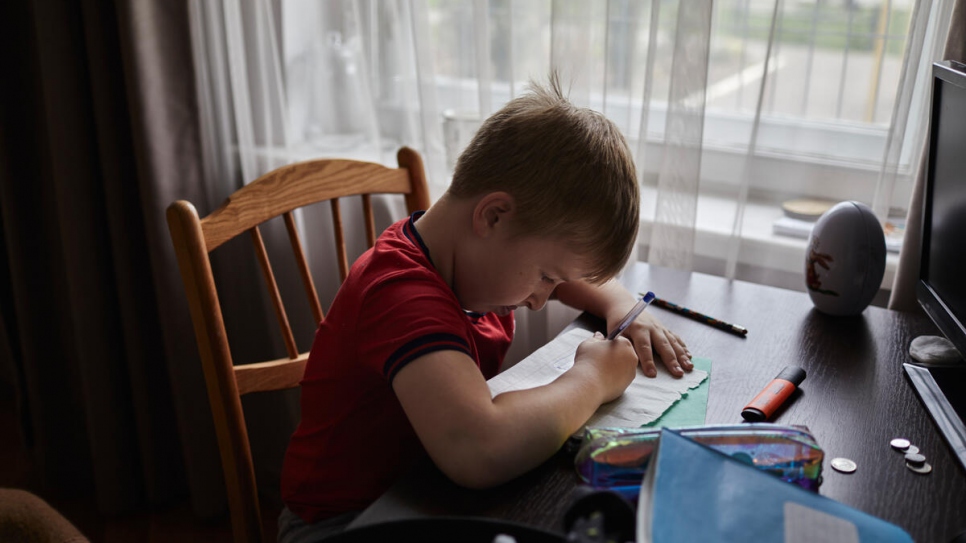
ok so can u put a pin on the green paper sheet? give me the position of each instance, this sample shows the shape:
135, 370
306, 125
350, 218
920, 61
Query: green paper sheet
691, 409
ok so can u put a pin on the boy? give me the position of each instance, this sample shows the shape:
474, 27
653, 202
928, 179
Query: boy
544, 202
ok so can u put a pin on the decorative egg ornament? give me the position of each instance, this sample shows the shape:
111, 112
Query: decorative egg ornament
845, 259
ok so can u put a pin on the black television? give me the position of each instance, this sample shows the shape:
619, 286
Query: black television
941, 286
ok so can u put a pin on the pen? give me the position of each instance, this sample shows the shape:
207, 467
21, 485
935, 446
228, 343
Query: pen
631, 315
710, 321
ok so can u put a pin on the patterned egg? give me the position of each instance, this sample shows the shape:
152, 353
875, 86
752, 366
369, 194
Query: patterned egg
845, 259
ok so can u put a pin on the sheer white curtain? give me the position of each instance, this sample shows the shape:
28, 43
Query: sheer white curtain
731, 107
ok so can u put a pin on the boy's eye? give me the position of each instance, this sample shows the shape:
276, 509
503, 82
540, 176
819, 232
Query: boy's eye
547, 279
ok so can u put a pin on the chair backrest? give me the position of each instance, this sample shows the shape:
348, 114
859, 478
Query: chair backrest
277, 193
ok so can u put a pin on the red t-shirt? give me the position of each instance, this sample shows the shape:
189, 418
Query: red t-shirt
353, 439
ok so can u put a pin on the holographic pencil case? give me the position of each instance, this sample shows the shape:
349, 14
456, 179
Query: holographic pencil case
616, 458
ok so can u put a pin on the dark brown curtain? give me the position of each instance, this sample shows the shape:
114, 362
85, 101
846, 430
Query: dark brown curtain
99, 133
903, 297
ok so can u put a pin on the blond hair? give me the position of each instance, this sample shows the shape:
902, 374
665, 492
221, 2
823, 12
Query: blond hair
568, 169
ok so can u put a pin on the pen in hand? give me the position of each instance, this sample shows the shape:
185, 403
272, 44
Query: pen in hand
631, 315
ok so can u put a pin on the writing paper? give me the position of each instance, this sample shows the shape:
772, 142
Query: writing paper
646, 399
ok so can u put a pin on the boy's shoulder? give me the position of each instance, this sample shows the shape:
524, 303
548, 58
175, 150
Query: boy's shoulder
397, 255
395, 271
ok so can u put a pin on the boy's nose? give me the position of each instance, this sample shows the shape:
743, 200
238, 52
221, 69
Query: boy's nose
537, 300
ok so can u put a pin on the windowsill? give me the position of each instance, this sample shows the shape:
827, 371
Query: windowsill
765, 257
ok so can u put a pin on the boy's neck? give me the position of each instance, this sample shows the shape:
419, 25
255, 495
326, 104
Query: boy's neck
441, 228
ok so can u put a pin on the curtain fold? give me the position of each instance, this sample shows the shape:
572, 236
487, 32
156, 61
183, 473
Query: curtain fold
163, 114
81, 308
672, 238
101, 135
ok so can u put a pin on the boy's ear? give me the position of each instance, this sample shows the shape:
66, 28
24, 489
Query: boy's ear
491, 212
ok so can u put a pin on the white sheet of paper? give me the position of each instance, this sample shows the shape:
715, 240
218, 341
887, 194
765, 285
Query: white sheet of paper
646, 399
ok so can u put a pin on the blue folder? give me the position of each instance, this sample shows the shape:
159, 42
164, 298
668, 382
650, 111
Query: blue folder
694, 493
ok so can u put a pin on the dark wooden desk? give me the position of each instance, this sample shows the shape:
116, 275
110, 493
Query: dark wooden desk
855, 399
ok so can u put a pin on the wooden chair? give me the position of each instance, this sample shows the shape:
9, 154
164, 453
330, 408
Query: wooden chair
275, 194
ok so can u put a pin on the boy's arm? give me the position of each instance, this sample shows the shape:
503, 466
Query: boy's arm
479, 441
611, 301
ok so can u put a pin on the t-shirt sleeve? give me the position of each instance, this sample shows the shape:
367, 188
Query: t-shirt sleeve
408, 317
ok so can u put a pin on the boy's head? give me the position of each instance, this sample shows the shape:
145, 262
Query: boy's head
568, 169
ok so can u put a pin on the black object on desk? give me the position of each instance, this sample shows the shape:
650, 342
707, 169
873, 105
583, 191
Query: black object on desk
940, 289
594, 517
445, 530
600, 515
943, 393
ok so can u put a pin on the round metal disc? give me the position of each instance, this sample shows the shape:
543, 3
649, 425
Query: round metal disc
912, 449
843, 465
923, 469
900, 444
915, 459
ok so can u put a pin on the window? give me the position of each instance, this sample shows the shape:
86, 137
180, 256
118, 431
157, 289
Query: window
833, 75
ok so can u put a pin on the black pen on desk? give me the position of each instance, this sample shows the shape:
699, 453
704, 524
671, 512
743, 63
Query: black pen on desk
700, 317
631, 315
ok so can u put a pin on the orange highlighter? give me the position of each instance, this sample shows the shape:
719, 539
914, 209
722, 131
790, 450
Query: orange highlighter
774, 395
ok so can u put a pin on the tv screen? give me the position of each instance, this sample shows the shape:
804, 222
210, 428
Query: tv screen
942, 281
941, 288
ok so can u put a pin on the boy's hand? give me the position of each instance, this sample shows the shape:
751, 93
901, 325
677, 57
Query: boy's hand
612, 301
649, 336
614, 361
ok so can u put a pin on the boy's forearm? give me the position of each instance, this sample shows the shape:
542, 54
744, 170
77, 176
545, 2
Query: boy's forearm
480, 442
530, 425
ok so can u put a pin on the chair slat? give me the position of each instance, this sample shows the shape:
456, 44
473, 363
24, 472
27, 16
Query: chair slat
273, 375
303, 265
339, 239
369, 219
273, 293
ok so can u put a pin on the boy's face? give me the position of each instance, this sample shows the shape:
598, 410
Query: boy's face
505, 273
